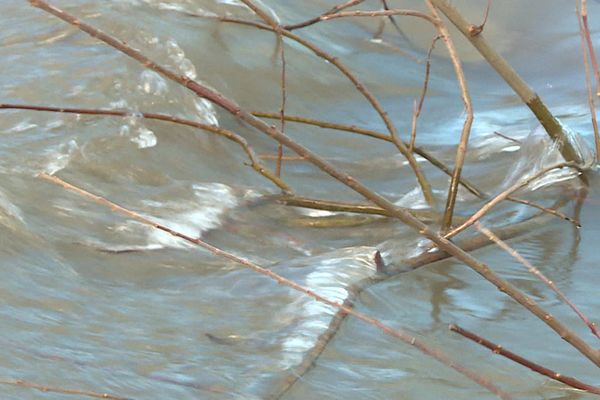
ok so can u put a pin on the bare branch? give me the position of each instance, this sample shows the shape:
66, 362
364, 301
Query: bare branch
498, 349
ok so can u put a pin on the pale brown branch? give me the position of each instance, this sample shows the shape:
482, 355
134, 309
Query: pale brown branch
503, 195
399, 334
312, 21
586, 39
461, 150
590, 45
418, 106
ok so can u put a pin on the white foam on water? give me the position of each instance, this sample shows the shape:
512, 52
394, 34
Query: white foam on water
59, 157
331, 275
538, 151
206, 111
214, 199
11, 215
22, 127
152, 83
145, 138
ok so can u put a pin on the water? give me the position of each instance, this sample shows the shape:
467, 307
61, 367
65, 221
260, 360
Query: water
94, 301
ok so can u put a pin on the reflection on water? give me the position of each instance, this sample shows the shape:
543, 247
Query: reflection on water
118, 308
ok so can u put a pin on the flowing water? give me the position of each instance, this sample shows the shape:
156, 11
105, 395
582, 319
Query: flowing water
94, 301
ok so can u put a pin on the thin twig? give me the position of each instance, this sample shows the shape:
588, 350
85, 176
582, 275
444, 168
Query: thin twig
400, 334
475, 30
461, 150
55, 389
418, 106
503, 136
537, 273
314, 20
234, 137
502, 196
585, 34
498, 349
280, 45
336, 206
550, 211
590, 45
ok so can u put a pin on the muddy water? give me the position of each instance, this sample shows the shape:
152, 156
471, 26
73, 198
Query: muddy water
93, 301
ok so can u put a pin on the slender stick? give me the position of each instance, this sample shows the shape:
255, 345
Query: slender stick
277, 29
590, 45
551, 211
461, 150
444, 244
418, 106
502, 196
328, 205
585, 34
55, 389
498, 349
314, 20
234, 137
400, 334
537, 273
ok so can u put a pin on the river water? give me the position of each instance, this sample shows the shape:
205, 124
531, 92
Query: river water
91, 300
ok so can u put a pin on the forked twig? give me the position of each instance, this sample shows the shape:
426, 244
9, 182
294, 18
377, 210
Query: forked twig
498, 349
389, 271
376, 135
234, 137
400, 334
